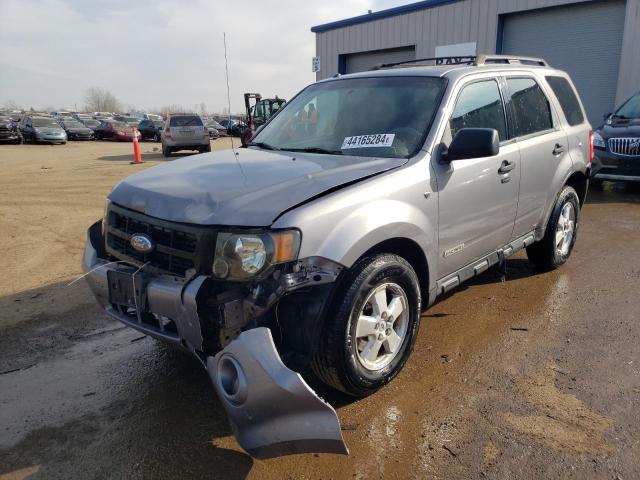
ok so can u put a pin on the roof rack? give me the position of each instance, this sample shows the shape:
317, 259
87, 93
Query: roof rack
510, 59
461, 60
468, 60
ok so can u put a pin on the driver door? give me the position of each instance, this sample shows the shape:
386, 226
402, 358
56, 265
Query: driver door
477, 198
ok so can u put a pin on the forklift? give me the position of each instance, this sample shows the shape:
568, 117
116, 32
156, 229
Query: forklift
258, 113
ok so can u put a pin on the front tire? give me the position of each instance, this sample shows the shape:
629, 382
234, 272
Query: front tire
371, 328
560, 235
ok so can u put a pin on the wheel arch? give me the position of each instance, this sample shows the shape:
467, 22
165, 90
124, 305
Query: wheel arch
412, 253
579, 182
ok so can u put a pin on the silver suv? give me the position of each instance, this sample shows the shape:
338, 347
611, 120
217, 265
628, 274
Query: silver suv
184, 131
348, 213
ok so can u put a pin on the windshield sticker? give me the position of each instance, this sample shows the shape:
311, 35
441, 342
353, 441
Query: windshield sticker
367, 141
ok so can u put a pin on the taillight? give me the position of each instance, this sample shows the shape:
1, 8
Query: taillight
590, 146
167, 132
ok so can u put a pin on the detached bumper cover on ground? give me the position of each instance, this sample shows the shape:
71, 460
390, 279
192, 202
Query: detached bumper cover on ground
272, 410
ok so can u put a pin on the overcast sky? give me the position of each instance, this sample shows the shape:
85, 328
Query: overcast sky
155, 53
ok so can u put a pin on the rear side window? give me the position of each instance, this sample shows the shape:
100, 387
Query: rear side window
186, 121
567, 98
530, 107
479, 106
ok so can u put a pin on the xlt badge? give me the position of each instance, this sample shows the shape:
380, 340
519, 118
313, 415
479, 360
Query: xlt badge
456, 249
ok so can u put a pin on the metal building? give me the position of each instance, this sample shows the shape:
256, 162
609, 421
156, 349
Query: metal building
596, 41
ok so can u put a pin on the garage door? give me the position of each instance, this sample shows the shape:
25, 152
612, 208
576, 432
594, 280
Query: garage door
584, 39
360, 62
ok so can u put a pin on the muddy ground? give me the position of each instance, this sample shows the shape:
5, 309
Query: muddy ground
536, 377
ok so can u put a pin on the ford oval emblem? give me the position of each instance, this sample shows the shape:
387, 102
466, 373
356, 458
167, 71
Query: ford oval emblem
142, 243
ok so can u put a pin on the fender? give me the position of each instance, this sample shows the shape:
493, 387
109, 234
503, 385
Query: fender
345, 225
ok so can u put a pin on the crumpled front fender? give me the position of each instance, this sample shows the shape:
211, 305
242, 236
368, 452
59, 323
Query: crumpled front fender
272, 410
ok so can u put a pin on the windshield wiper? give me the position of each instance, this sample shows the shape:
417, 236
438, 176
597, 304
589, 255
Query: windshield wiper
263, 145
621, 117
315, 150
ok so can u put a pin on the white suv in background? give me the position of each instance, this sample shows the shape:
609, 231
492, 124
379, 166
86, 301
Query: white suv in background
184, 131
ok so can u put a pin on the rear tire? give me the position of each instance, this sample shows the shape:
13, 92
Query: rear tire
371, 327
207, 148
560, 235
166, 151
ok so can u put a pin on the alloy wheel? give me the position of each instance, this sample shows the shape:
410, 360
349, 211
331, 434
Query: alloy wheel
381, 326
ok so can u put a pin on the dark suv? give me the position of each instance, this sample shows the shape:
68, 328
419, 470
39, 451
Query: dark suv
617, 145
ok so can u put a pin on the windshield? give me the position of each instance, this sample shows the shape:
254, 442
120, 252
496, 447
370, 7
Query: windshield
91, 123
73, 125
44, 122
119, 125
158, 123
631, 108
374, 117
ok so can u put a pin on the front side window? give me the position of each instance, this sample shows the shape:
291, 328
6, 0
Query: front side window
373, 117
479, 106
530, 107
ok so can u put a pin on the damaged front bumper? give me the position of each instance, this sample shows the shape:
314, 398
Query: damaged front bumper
272, 410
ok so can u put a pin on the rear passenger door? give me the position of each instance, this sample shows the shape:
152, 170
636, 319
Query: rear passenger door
544, 157
477, 198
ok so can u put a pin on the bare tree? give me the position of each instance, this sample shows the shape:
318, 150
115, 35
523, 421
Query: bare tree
203, 109
99, 100
11, 105
173, 108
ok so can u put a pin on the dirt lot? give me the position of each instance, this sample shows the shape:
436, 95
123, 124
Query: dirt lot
536, 377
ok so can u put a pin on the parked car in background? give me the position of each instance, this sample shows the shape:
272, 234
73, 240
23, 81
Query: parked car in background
184, 131
82, 116
150, 129
215, 129
9, 131
42, 129
616, 145
102, 114
233, 127
76, 130
91, 123
114, 130
133, 121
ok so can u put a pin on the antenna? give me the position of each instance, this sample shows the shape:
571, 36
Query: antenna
226, 67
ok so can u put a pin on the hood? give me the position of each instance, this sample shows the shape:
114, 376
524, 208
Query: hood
248, 189
79, 130
620, 128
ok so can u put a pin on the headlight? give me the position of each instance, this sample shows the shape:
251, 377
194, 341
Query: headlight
598, 141
240, 256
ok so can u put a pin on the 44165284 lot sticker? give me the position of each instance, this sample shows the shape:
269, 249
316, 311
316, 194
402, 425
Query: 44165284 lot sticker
368, 141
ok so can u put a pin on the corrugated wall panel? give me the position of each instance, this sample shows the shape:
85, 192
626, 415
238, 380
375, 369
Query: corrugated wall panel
629, 76
459, 22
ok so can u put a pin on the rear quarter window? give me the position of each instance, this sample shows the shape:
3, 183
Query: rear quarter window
567, 98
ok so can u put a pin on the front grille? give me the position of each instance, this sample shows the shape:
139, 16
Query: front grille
177, 247
625, 146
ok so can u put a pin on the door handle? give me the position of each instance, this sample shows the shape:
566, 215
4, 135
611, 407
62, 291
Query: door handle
558, 149
506, 166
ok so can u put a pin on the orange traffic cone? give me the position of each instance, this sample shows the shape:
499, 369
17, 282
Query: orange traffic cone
137, 157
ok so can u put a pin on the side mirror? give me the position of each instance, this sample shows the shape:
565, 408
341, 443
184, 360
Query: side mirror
606, 116
473, 143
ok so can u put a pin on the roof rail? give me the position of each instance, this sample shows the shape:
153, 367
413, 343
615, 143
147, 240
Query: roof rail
469, 60
510, 59
461, 60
